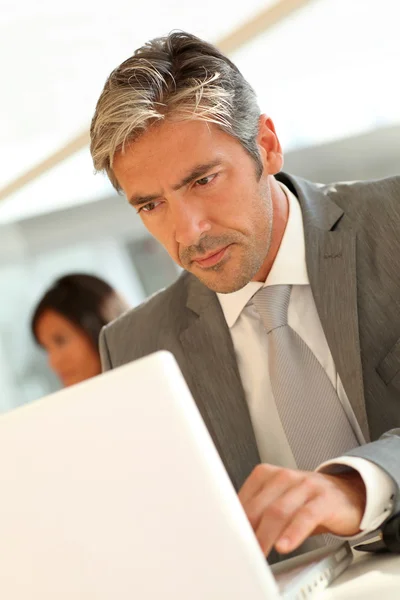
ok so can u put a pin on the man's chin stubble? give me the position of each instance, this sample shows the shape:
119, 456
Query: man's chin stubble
221, 284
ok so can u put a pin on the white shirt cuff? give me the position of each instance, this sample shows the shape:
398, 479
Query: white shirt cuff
380, 490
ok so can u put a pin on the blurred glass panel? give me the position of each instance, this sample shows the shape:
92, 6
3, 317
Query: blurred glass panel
154, 266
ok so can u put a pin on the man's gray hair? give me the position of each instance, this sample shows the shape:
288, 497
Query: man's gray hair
177, 77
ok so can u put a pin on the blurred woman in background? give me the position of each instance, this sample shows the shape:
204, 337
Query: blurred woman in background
67, 323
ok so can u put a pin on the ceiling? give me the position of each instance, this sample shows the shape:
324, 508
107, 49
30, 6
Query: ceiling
327, 71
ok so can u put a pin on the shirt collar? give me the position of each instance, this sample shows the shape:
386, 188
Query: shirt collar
289, 265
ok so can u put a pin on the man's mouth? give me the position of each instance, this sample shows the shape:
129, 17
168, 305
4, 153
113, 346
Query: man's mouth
210, 259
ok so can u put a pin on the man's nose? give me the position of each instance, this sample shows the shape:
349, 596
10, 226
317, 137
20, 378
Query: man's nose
190, 224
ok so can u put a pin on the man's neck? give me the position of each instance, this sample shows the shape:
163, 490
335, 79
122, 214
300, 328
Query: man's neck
280, 215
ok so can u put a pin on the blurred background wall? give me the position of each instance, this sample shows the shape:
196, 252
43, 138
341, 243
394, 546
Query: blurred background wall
326, 71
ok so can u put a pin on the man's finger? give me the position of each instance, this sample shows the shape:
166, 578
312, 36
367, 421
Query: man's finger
281, 512
304, 523
256, 480
270, 494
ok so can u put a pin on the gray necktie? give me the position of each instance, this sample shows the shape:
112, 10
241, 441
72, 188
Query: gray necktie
312, 415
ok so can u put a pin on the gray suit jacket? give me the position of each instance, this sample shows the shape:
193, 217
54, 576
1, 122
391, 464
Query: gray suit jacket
352, 237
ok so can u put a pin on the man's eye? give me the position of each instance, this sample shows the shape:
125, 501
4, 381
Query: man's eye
205, 180
148, 207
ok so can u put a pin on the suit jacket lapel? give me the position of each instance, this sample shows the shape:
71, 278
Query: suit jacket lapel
214, 379
331, 265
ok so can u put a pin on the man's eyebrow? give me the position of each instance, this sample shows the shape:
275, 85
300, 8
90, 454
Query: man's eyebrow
196, 173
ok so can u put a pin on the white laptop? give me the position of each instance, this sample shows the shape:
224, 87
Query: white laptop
112, 489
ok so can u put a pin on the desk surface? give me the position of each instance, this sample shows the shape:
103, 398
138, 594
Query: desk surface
369, 577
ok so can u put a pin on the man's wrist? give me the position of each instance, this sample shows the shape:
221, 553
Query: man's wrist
380, 488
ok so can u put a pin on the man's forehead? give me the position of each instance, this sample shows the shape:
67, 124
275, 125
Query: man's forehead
176, 147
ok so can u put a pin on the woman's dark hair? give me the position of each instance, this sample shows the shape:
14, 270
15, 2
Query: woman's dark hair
85, 300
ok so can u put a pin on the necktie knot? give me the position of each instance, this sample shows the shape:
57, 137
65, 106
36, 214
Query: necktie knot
272, 303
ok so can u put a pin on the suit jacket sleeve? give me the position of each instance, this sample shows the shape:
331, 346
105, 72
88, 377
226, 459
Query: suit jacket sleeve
385, 453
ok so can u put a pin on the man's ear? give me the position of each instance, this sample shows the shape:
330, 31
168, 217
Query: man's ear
269, 146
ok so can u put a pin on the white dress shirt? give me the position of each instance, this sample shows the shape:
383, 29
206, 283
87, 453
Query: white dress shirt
251, 348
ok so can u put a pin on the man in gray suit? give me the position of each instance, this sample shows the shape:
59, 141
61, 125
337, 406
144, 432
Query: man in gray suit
285, 321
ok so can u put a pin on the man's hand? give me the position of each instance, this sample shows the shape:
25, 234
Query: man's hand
285, 507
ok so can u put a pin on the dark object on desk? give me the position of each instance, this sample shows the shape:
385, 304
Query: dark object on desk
388, 540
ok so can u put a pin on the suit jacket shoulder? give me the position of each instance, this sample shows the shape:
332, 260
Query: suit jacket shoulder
356, 198
151, 326
372, 210
365, 199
